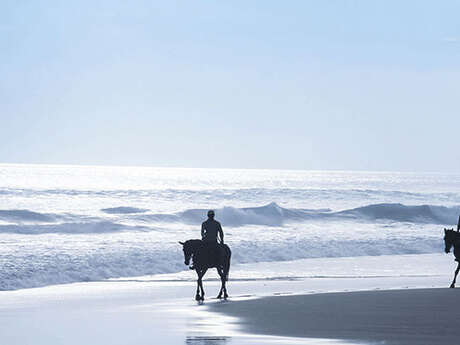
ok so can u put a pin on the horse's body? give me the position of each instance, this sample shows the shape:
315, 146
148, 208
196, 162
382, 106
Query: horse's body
205, 256
452, 238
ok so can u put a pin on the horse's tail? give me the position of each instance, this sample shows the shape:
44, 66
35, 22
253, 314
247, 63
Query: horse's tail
227, 262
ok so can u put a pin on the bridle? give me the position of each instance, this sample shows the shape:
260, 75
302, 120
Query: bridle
188, 252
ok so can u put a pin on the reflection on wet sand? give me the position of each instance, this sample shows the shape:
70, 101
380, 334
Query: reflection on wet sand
206, 340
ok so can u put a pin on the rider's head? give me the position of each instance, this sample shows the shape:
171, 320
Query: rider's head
211, 214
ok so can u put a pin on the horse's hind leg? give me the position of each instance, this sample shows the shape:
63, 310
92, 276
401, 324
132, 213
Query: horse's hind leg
222, 280
223, 288
455, 276
226, 271
225, 291
197, 296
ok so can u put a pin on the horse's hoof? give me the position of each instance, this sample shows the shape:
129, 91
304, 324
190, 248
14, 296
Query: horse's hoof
197, 298
452, 286
219, 296
202, 298
225, 296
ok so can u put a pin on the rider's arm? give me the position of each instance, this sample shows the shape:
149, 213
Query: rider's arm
203, 231
221, 234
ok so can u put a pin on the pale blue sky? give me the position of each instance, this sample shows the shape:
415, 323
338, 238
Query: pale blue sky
350, 85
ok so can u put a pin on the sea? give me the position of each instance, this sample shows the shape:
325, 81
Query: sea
64, 224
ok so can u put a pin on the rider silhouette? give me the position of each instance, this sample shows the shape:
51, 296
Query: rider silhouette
211, 229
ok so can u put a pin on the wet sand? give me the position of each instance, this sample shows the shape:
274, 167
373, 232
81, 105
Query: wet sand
119, 313
412, 316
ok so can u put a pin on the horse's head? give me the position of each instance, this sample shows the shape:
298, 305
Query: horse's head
188, 251
449, 238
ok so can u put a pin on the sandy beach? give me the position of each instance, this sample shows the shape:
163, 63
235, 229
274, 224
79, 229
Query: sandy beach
415, 316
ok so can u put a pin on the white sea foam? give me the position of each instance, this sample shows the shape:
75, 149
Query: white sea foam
95, 257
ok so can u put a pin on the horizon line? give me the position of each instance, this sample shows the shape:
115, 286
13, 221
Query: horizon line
228, 168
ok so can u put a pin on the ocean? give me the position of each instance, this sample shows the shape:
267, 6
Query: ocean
62, 224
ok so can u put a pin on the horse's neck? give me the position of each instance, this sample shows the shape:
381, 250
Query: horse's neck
196, 245
456, 241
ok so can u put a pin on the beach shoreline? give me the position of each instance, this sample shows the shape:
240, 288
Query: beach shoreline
162, 309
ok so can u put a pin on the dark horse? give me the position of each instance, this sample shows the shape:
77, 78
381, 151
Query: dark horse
205, 256
452, 238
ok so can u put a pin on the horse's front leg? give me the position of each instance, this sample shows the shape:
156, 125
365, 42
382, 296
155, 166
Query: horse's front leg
200, 282
224, 285
197, 296
455, 276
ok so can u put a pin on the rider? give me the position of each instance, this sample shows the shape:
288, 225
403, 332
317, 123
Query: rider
211, 229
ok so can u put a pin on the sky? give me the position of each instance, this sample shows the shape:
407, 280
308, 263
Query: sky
323, 85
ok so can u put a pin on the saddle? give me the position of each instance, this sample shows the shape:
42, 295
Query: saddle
214, 252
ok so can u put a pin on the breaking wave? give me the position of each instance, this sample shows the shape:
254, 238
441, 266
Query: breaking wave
26, 216
271, 215
275, 215
401, 213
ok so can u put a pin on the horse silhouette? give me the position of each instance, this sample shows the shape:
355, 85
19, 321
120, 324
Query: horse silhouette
452, 238
204, 256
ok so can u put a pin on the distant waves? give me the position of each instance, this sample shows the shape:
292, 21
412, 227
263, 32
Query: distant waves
271, 215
